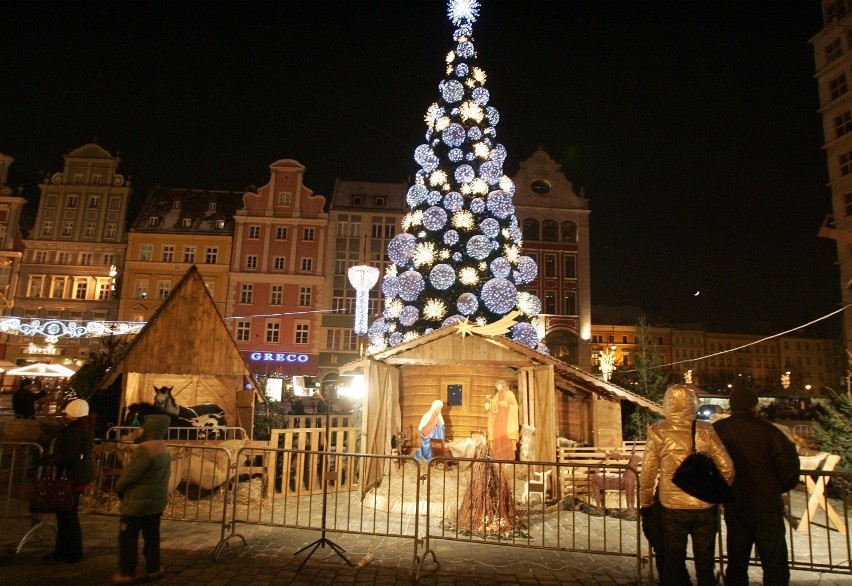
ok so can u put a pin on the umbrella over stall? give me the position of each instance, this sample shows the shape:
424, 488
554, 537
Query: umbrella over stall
37, 369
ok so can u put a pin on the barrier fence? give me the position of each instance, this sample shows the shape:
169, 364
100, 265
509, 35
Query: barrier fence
539, 505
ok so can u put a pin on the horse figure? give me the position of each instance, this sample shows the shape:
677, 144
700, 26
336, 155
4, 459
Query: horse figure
204, 416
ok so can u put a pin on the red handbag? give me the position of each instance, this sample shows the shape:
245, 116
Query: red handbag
51, 494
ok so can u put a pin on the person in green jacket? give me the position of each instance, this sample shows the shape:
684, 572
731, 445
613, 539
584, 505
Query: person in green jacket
143, 489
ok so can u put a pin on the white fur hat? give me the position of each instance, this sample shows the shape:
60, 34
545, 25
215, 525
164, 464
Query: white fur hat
77, 408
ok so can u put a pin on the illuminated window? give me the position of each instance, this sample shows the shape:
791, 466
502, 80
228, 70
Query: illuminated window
285, 198
111, 230
146, 252
163, 289
90, 230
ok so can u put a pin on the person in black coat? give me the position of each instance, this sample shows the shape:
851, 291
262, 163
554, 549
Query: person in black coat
24, 400
72, 456
767, 466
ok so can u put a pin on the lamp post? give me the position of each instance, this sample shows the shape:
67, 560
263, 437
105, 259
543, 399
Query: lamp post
362, 278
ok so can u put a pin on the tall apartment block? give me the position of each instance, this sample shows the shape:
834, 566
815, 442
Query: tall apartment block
833, 59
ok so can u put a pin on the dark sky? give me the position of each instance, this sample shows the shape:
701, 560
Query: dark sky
692, 126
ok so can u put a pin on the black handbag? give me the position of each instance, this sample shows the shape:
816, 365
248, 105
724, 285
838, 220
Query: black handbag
698, 476
51, 494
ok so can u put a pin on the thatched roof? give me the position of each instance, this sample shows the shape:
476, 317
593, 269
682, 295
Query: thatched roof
451, 346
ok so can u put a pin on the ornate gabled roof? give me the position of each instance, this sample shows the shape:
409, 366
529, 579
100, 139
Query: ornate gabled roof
89, 151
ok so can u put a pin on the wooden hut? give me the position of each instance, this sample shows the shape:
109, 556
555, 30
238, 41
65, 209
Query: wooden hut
186, 345
459, 365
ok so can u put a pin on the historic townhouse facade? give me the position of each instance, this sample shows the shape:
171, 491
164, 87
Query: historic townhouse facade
177, 228
72, 255
363, 217
555, 223
11, 240
276, 276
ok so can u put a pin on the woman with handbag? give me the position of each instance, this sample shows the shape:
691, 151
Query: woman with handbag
72, 457
669, 443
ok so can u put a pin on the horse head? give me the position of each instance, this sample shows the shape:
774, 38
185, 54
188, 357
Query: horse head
164, 400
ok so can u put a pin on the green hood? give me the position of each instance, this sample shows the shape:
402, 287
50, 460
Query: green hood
155, 427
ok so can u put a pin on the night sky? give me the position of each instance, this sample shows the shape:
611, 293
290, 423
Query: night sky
692, 126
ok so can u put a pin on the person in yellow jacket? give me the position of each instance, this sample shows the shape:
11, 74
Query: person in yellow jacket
669, 443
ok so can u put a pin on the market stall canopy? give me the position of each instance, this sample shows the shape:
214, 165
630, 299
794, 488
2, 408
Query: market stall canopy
6, 365
42, 369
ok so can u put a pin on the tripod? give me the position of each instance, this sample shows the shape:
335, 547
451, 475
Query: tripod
323, 540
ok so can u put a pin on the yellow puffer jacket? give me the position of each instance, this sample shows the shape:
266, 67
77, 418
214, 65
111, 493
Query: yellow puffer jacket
670, 442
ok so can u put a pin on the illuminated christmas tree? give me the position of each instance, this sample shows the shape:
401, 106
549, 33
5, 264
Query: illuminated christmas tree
459, 256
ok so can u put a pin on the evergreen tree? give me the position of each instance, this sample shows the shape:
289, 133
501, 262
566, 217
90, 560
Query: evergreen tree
459, 255
650, 382
833, 429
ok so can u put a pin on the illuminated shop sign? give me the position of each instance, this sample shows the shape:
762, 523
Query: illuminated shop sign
279, 357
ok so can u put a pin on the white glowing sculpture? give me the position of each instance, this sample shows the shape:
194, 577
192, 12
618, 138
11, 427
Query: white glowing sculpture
363, 278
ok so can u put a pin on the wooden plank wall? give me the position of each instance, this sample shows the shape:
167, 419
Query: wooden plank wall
420, 385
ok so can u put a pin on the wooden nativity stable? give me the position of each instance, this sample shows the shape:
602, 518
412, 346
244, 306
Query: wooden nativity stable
460, 366
186, 345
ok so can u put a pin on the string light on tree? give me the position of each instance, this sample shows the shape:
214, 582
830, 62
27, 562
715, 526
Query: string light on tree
460, 249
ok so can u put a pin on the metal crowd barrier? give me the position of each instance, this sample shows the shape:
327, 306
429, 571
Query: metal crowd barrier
19, 469
221, 433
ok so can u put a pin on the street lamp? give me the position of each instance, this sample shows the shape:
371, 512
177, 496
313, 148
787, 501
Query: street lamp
363, 278
785, 380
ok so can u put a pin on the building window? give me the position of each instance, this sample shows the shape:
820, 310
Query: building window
58, 289
570, 266
302, 330
111, 231
189, 254
569, 232
86, 259
571, 304
211, 207
67, 228
97, 179
380, 201
848, 200
104, 289
90, 230
550, 231
281, 233
153, 221
186, 222
176, 204
168, 254
246, 293
243, 331
71, 201
81, 288
146, 252
530, 229
549, 265
211, 254
94, 202
63, 258
141, 289
550, 302
251, 261
833, 50
846, 163
356, 200
285, 198
220, 224
278, 263
305, 295
843, 123
40, 257
273, 331
837, 86
36, 284
276, 295
340, 339
308, 234
254, 232
47, 228
306, 265
163, 289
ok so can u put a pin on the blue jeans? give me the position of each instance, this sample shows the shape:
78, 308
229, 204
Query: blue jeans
679, 524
